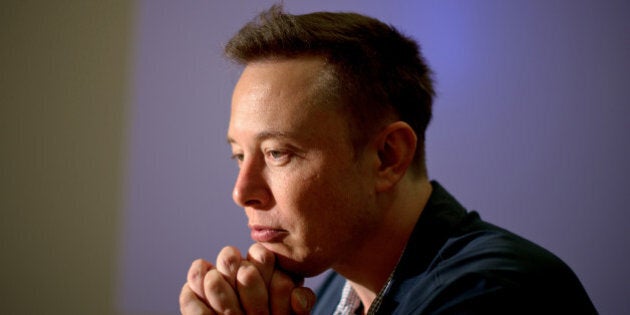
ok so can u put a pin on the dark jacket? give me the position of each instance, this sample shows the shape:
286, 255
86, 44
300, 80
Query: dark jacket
455, 263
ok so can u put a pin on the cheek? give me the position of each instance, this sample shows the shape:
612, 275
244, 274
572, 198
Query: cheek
303, 201
322, 207
315, 201
302, 198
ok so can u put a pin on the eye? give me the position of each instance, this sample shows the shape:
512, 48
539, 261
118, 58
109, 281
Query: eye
278, 157
238, 157
276, 154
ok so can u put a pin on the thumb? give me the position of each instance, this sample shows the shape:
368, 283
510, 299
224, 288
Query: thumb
302, 300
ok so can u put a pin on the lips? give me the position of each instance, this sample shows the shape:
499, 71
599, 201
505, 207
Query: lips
266, 234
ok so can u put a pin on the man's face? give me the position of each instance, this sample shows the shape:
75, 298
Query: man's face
307, 197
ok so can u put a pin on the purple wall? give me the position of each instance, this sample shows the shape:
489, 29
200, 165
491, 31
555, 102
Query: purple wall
531, 128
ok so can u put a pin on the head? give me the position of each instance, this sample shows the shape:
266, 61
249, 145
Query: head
377, 75
328, 115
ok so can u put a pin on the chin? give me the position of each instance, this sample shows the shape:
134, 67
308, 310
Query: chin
302, 269
302, 266
296, 265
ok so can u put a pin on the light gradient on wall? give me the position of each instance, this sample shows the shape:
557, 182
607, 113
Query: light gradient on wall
531, 129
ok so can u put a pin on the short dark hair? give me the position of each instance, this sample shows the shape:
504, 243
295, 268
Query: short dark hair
379, 72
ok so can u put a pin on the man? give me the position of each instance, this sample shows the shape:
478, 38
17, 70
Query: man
327, 126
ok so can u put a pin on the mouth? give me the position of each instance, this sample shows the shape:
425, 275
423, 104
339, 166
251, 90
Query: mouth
266, 234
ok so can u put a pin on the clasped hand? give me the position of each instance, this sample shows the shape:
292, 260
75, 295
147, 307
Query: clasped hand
237, 285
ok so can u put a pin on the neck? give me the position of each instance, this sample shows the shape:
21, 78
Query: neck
375, 259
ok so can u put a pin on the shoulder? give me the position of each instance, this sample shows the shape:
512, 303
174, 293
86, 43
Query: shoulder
484, 269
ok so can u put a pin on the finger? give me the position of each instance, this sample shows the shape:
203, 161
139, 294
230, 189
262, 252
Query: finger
196, 273
228, 261
219, 294
302, 300
280, 292
263, 259
252, 290
191, 304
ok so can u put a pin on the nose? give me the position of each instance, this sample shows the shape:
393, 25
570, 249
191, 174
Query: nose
251, 188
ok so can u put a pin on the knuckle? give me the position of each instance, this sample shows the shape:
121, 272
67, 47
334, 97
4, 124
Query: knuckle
186, 297
247, 275
261, 254
281, 283
229, 259
219, 295
212, 282
197, 270
198, 263
229, 263
194, 274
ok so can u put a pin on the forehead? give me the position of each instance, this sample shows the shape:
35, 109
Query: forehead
306, 78
284, 96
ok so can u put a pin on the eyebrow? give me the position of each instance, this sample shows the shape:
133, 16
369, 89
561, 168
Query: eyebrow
265, 135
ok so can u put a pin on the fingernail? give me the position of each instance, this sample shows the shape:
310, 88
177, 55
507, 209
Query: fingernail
302, 300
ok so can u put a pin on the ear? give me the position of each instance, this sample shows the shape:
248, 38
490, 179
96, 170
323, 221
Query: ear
396, 147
